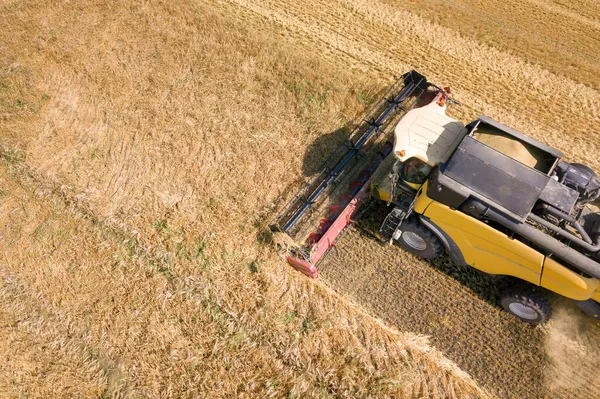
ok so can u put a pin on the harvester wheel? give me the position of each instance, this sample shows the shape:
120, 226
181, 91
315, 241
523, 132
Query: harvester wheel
528, 305
419, 240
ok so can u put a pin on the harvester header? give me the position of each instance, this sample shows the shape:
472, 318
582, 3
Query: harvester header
320, 213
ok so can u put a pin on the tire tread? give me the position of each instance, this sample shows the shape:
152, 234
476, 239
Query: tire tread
434, 246
529, 297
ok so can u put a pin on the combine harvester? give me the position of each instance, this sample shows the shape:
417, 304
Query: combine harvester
491, 197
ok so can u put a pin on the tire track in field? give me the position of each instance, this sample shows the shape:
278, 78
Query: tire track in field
576, 15
359, 33
538, 34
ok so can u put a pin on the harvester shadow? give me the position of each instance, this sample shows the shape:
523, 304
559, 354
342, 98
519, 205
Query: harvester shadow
312, 163
319, 149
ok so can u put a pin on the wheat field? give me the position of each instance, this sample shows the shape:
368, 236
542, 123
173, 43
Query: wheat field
145, 146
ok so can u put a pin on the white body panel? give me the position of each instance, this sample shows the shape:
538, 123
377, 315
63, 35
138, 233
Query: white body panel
428, 134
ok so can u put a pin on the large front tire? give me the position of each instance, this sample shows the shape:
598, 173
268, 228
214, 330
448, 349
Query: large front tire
419, 240
528, 305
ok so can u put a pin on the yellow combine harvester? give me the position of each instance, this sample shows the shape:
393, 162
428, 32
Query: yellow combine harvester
491, 197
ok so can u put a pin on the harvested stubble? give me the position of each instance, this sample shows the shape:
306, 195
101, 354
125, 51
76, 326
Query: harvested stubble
457, 308
143, 145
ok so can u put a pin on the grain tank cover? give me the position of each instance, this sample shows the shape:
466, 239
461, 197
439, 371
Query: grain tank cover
496, 178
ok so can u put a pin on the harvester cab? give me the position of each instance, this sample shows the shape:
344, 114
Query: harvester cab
493, 198
423, 138
427, 133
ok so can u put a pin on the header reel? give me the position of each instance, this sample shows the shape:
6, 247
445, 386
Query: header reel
322, 210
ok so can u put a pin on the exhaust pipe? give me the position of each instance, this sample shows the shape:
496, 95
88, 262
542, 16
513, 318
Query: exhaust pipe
585, 245
572, 221
476, 208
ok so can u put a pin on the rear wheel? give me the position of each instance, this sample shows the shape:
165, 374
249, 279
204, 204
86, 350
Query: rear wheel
528, 305
419, 240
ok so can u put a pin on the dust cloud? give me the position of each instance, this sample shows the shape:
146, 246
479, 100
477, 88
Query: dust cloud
568, 349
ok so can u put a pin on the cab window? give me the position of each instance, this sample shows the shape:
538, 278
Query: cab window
415, 171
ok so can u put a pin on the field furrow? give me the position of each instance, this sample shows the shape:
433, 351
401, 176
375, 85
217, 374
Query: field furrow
586, 12
558, 38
